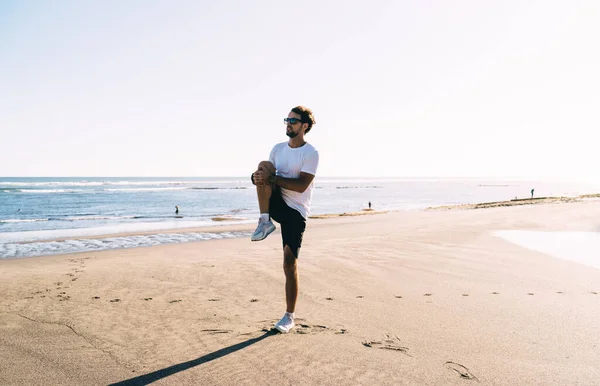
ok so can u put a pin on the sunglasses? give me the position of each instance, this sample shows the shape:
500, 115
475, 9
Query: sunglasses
291, 121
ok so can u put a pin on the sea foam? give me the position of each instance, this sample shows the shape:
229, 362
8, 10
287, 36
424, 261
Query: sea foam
15, 250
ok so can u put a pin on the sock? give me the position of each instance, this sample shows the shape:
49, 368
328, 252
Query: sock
291, 314
264, 217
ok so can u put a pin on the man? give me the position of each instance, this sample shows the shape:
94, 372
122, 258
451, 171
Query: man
284, 186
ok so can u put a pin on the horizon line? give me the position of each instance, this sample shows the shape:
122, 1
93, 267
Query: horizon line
529, 178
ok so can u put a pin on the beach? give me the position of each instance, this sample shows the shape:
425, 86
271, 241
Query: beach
427, 297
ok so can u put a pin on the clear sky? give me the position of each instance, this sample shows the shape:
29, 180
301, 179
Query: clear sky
398, 88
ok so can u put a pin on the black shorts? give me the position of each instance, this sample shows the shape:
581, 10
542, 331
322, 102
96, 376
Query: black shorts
291, 221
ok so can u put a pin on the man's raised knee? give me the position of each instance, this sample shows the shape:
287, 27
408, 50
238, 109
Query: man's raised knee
267, 165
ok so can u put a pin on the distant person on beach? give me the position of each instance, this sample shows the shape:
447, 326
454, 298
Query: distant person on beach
284, 186
532, 193
176, 209
369, 204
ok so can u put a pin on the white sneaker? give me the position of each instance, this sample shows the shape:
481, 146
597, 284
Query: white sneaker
263, 229
286, 323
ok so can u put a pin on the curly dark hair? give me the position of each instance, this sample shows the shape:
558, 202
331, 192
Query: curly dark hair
306, 116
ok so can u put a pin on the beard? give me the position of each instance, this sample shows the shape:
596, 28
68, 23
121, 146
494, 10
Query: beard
290, 133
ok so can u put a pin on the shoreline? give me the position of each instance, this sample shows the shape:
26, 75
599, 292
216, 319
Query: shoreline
218, 227
247, 227
241, 224
244, 228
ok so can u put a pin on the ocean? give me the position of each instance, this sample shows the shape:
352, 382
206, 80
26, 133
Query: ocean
35, 210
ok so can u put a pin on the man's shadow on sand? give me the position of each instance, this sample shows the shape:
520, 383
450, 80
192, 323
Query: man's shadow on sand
147, 379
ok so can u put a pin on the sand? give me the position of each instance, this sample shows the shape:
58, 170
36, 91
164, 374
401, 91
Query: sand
415, 298
518, 201
348, 214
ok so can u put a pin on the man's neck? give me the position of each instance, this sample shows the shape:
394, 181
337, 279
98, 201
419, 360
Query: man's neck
296, 142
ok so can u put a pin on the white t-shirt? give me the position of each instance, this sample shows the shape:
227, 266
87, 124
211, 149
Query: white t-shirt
289, 162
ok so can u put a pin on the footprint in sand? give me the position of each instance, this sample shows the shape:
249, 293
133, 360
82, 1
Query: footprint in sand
115, 300
461, 370
253, 300
559, 292
306, 328
147, 299
398, 296
495, 293
309, 329
175, 301
594, 293
465, 294
216, 331
427, 295
529, 293
328, 298
96, 297
214, 300
389, 342
360, 297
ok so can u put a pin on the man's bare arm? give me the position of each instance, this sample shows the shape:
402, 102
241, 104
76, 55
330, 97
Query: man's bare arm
299, 184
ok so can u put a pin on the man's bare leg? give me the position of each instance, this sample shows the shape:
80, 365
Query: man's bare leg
263, 192
264, 195
290, 268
